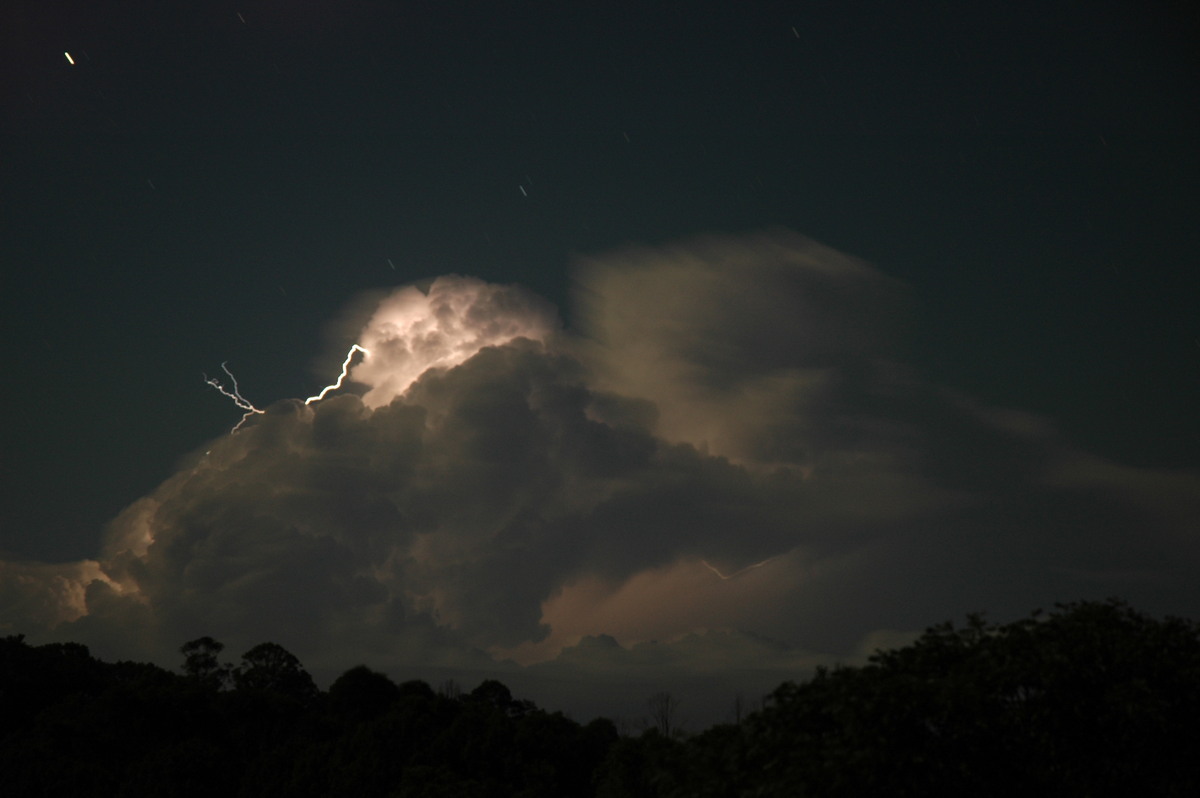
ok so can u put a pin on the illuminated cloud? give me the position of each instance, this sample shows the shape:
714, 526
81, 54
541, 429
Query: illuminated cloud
413, 331
40, 595
571, 500
739, 342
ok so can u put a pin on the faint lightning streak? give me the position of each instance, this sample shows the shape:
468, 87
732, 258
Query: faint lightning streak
341, 377
735, 574
236, 395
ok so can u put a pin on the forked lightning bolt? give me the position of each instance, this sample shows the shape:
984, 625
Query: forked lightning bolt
235, 395
245, 404
341, 377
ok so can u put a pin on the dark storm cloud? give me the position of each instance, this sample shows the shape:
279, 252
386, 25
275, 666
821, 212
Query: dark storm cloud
729, 452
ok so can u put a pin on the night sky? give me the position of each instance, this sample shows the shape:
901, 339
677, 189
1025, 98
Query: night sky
898, 298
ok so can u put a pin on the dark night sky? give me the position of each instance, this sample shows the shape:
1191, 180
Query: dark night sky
217, 180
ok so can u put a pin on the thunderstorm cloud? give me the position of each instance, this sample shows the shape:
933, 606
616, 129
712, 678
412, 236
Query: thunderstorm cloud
725, 474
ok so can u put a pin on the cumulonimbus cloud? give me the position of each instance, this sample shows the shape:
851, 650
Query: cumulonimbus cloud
492, 486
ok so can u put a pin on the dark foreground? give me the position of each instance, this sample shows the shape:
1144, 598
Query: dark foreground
1092, 699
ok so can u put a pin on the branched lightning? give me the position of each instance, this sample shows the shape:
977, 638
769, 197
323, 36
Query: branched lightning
235, 394
243, 403
341, 377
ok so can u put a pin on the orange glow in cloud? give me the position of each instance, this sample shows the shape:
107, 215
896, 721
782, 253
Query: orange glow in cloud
687, 596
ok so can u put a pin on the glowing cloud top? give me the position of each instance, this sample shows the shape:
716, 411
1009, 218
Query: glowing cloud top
412, 332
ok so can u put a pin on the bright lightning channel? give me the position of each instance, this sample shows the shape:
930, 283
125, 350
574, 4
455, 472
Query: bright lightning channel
341, 377
245, 404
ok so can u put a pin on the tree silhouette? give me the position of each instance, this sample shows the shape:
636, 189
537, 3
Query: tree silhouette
270, 666
1094, 699
200, 663
663, 708
360, 694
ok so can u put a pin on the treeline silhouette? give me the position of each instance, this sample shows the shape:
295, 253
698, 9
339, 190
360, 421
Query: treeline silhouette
1093, 699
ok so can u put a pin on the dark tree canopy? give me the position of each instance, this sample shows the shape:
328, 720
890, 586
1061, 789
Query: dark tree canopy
362, 693
201, 664
270, 666
1091, 699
